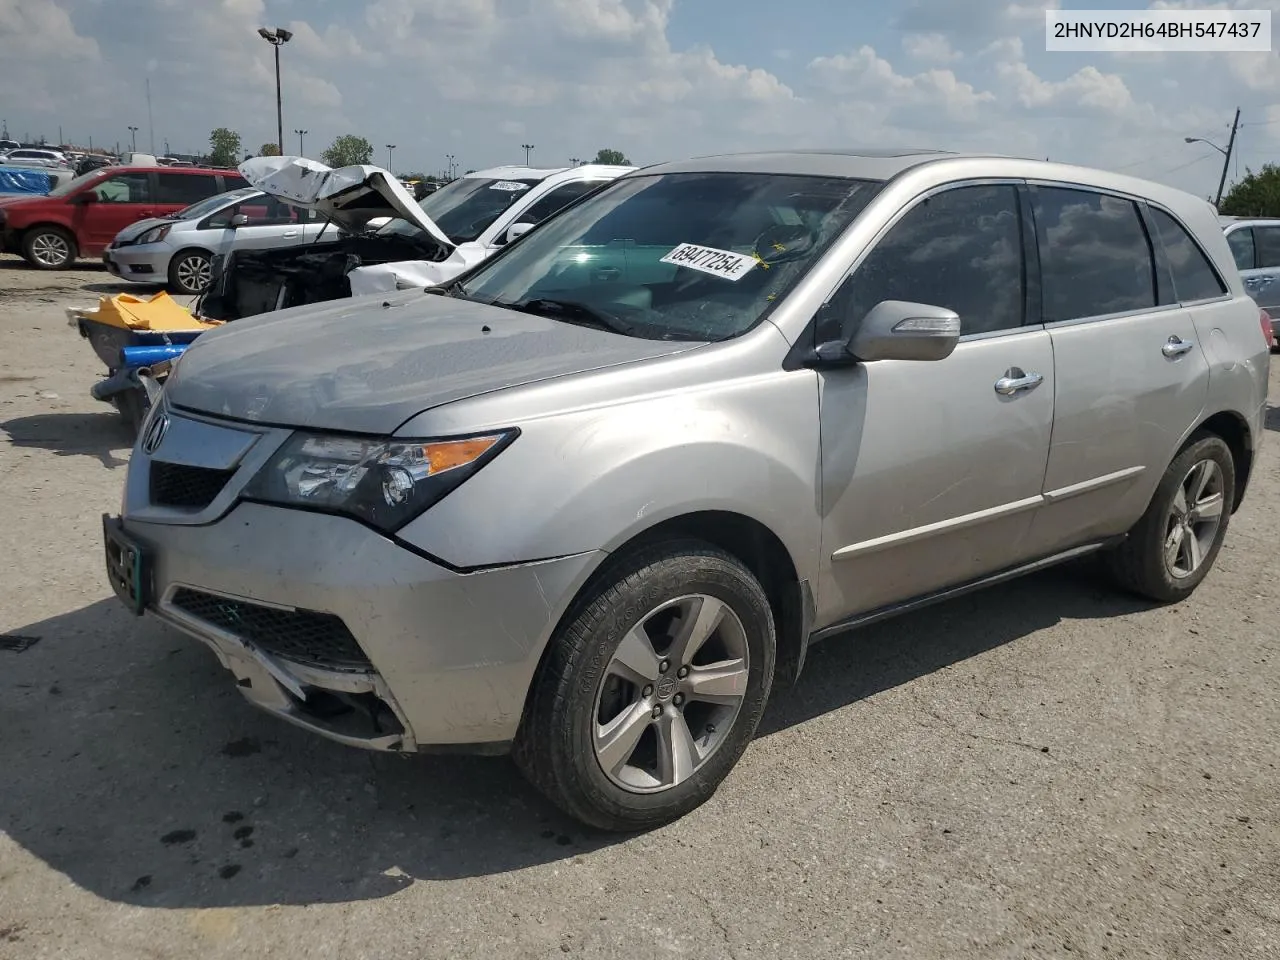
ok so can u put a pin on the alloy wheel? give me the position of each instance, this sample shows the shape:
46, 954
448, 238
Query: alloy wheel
670, 694
1194, 519
50, 249
194, 272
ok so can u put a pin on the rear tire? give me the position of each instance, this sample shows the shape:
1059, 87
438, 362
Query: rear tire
190, 271
49, 248
651, 688
1173, 547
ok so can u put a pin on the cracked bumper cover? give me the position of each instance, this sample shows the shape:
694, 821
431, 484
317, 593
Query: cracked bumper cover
452, 654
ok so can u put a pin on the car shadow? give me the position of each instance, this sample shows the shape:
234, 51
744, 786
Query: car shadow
1272, 419
123, 286
135, 768
97, 435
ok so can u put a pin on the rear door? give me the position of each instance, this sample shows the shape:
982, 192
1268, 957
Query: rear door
1263, 281
118, 201
1132, 376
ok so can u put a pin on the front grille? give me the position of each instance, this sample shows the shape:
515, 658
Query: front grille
179, 485
303, 636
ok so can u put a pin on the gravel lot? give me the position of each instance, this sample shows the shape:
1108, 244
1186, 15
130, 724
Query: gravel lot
1048, 769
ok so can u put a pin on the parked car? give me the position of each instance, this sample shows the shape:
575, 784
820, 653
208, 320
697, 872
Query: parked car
33, 157
179, 248
82, 216
93, 162
7, 145
1255, 244
592, 514
414, 244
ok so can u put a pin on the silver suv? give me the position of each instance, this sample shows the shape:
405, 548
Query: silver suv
1255, 244
594, 499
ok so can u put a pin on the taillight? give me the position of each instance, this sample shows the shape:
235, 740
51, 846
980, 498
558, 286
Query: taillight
1268, 335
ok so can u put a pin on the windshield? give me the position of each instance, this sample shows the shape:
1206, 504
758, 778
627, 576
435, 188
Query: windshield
211, 204
71, 186
679, 256
465, 208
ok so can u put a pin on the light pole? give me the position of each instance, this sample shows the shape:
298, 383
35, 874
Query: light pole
1226, 154
390, 147
276, 38
449, 158
574, 161
526, 147
301, 134
133, 135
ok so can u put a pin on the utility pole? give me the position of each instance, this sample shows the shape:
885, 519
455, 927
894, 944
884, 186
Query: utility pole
60, 140
1226, 161
151, 126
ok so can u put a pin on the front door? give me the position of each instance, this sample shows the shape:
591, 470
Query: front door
931, 471
1263, 281
1132, 374
117, 202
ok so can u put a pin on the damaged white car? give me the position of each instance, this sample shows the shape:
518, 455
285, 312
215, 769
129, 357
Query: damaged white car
387, 240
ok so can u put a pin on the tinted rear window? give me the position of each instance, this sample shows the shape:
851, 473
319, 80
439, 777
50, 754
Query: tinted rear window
1094, 254
1193, 275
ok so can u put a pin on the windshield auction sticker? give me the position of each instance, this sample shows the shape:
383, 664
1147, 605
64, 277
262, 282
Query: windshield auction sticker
510, 186
718, 263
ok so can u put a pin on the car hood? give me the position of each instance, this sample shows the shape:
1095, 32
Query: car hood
351, 197
135, 230
368, 365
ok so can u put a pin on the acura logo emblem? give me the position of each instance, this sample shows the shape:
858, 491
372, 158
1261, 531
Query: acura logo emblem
156, 430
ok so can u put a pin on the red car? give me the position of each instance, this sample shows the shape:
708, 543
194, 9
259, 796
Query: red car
82, 216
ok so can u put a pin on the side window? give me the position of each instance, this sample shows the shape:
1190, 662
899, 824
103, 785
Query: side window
233, 183
1241, 244
124, 188
1268, 241
185, 189
1095, 257
1193, 275
961, 249
560, 197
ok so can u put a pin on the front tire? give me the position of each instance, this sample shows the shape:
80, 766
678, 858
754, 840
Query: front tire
651, 689
190, 271
48, 248
1173, 547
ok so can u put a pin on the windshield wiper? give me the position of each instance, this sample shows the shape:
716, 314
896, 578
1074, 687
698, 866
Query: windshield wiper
570, 311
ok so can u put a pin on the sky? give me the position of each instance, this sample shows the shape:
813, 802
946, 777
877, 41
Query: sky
656, 79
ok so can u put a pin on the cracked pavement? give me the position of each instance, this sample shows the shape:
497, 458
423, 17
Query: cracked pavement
1047, 769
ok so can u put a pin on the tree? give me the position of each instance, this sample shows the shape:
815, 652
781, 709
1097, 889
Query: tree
614, 158
348, 150
268, 150
1257, 195
225, 147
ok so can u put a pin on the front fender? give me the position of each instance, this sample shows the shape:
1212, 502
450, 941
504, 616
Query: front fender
591, 479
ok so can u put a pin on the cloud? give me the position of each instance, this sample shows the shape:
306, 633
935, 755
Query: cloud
476, 78
930, 47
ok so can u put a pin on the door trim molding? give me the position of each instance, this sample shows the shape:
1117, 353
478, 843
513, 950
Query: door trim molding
1088, 486
933, 529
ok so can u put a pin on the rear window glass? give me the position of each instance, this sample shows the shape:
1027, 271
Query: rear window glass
1094, 254
1193, 275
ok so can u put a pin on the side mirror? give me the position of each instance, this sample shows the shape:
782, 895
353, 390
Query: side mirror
88, 196
518, 230
239, 220
900, 330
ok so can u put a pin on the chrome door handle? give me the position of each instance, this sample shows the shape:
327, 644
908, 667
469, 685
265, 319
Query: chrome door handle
1016, 381
1175, 347
290, 235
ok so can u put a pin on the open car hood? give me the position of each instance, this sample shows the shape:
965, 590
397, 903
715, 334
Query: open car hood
351, 197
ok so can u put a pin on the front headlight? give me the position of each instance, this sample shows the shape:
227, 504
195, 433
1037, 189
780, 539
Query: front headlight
385, 483
155, 234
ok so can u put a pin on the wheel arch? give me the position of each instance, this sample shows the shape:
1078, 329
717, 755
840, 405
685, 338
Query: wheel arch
754, 545
1235, 433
